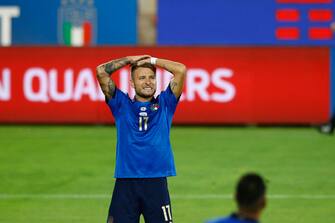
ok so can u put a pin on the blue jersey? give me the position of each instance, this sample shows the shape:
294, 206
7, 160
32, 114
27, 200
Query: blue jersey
143, 147
232, 219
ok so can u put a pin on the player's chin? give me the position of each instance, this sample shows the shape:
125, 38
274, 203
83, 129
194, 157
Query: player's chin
148, 94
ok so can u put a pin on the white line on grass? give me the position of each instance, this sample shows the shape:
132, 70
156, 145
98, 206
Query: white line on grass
176, 196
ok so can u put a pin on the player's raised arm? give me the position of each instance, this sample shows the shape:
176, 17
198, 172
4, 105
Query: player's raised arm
177, 69
179, 72
104, 71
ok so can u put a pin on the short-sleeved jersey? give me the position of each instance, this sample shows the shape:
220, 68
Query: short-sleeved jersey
143, 147
233, 218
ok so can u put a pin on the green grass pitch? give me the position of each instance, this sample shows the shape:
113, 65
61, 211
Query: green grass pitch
63, 174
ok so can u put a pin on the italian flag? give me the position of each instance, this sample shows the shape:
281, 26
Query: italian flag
77, 35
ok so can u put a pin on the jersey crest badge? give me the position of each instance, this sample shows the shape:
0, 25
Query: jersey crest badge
154, 107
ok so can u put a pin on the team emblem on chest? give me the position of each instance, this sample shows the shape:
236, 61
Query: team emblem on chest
154, 107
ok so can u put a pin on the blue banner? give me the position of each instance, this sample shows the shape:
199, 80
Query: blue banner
243, 22
68, 22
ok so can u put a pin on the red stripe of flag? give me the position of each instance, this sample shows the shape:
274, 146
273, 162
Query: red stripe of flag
287, 33
320, 15
318, 33
305, 1
287, 15
87, 33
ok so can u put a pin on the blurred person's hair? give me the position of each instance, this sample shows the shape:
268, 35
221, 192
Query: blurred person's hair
147, 65
250, 192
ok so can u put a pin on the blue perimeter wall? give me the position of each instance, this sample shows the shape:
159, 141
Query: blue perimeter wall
234, 22
38, 22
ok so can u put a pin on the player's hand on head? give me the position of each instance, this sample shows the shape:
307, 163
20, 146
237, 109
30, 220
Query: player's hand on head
144, 61
136, 59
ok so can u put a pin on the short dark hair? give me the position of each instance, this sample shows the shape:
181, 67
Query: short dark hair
147, 65
250, 190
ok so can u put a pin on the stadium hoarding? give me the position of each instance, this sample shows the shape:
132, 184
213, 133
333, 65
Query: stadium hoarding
224, 85
332, 83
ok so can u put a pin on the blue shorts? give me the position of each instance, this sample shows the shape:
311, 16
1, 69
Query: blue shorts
135, 196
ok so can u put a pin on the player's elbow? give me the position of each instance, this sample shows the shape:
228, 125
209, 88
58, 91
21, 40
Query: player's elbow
182, 69
99, 70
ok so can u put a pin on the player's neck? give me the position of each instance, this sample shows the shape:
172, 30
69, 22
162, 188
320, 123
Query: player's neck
141, 99
243, 213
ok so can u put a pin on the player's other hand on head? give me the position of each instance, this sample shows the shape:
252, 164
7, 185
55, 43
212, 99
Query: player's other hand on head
143, 61
136, 59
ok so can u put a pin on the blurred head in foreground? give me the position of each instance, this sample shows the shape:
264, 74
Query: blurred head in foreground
250, 195
250, 198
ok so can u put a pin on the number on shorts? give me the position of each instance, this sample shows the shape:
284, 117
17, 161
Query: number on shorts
167, 213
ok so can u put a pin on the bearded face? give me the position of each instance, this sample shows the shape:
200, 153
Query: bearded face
144, 82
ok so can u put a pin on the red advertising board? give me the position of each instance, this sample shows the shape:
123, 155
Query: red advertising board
224, 85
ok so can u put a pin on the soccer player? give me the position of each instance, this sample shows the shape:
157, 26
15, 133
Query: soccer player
250, 198
144, 157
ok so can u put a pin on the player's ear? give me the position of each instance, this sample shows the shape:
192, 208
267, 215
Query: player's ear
263, 202
131, 82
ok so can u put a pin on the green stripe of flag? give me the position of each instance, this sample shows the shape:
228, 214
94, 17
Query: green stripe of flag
67, 33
